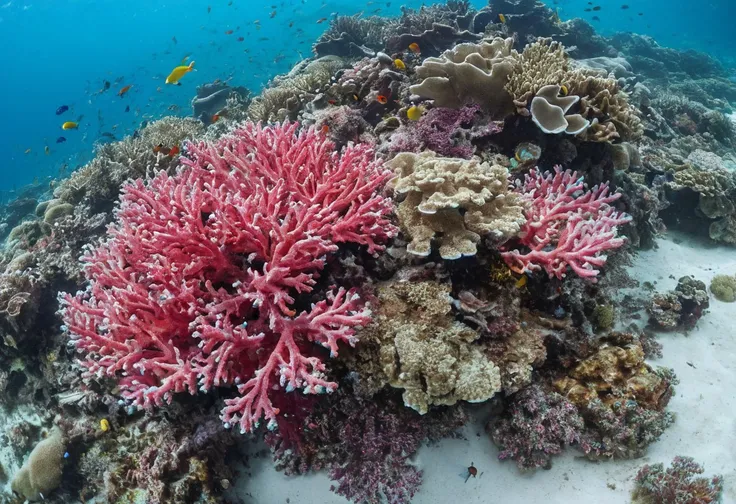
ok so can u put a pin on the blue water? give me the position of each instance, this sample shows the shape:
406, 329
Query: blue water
59, 52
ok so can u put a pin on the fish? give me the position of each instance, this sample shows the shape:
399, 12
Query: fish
174, 151
228, 32
46, 150
414, 47
563, 90
27, 151
356, 97
399, 64
587, 10
381, 99
597, 8
272, 14
62, 109
332, 102
69, 125
178, 72
325, 129
209, 9
521, 282
124, 90
106, 85
60, 140
502, 18
127, 108
173, 39
104, 425
215, 118
596, 18
624, 6
184, 60
107, 134
321, 20
414, 113
240, 39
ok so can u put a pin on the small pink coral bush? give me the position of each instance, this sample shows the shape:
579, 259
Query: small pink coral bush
207, 277
567, 225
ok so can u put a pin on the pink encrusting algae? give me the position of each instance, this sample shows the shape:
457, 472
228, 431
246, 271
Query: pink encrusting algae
567, 225
207, 278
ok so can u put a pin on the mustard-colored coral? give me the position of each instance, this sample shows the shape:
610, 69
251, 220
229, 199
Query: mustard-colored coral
456, 201
470, 73
541, 63
424, 351
616, 373
41, 474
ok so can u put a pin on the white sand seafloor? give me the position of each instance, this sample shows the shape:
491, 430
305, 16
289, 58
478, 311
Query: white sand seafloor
704, 402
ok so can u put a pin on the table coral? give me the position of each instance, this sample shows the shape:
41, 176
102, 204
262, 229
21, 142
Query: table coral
455, 201
198, 282
424, 351
567, 225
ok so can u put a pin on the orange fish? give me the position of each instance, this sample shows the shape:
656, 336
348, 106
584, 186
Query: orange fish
174, 151
157, 148
229, 32
381, 99
332, 102
215, 118
125, 90
414, 47
325, 129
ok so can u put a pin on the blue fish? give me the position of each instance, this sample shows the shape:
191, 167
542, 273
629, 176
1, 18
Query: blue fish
60, 140
62, 109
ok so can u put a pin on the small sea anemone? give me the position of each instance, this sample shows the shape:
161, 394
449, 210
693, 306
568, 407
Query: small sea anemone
723, 288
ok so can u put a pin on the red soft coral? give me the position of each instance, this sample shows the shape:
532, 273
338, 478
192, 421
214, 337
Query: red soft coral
567, 225
201, 281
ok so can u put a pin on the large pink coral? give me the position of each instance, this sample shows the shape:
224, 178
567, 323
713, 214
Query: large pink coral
207, 276
567, 225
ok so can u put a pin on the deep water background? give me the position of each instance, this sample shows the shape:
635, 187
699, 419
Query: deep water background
59, 52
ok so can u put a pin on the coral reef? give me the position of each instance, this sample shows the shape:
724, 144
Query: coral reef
455, 201
157, 314
678, 484
723, 287
41, 474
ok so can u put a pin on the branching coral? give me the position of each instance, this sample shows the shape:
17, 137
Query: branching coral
455, 201
567, 225
422, 350
677, 484
197, 284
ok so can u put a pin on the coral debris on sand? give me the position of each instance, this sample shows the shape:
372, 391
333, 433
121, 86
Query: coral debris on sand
448, 222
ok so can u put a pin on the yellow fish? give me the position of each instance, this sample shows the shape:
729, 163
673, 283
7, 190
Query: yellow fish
502, 18
27, 151
399, 64
521, 282
414, 113
178, 72
564, 90
69, 125
104, 425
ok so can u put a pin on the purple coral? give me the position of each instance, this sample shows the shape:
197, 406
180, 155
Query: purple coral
443, 130
537, 425
677, 484
365, 445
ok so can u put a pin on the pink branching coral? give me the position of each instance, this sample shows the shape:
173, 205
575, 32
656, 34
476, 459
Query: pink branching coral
207, 278
567, 225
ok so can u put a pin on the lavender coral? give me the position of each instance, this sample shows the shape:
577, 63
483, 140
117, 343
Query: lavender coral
537, 425
677, 484
198, 284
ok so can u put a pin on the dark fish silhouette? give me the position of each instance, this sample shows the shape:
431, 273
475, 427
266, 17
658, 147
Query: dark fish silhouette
60, 140
62, 109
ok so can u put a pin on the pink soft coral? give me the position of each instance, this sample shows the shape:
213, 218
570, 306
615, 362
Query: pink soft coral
567, 225
206, 277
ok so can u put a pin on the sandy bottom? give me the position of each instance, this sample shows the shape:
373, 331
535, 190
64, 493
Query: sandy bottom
704, 402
